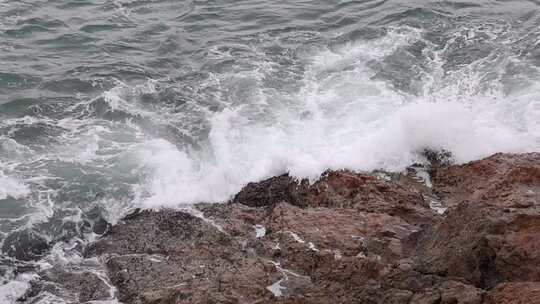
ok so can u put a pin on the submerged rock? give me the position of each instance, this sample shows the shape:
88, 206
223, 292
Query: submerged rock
348, 238
25, 245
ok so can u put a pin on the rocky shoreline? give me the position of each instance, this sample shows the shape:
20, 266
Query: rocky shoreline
348, 238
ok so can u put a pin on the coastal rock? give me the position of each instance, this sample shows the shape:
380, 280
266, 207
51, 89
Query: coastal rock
515, 293
484, 244
504, 180
175, 257
79, 286
347, 238
492, 235
340, 189
324, 255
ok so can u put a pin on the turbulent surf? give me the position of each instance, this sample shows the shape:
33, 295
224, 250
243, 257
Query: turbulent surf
108, 106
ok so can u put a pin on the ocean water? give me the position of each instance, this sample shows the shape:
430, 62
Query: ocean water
107, 106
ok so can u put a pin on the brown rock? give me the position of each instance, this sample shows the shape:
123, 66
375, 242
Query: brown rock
347, 238
491, 236
515, 293
348, 255
346, 232
326, 254
507, 180
174, 257
426, 297
482, 244
340, 189
457, 292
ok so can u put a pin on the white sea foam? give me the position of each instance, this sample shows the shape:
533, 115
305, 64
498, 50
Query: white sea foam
260, 231
11, 187
14, 289
342, 118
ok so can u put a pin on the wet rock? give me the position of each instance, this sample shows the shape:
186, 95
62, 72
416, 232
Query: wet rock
277, 189
164, 232
340, 189
100, 226
82, 286
347, 238
175, 257
25, 245
94, 221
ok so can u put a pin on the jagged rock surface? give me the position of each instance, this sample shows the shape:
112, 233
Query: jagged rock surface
348, 238
492, 232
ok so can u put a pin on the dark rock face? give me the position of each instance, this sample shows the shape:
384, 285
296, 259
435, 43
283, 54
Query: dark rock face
348, 238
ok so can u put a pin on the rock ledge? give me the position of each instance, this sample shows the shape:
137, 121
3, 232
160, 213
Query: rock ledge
348, 238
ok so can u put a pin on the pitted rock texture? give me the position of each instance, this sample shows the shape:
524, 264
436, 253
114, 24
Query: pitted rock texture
175, 257
348, 238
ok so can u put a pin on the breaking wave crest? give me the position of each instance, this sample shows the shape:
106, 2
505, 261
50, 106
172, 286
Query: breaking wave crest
145, 108
344, 117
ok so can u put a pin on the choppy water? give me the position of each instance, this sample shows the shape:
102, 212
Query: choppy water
110, 105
